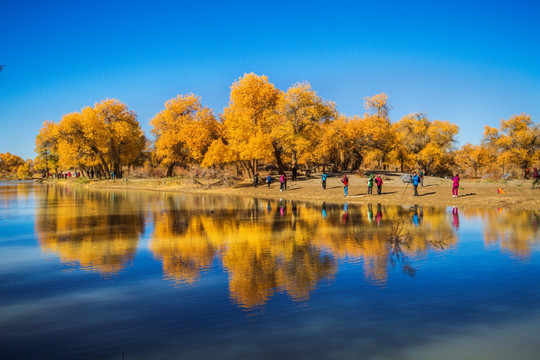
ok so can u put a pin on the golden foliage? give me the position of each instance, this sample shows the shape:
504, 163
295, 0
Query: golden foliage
9, 164
248, 121
184, 131
517, 142
107, 135
301, 116
425, 144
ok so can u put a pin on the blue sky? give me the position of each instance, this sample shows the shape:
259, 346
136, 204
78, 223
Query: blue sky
469, 62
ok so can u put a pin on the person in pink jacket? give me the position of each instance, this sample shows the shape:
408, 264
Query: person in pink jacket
455, 186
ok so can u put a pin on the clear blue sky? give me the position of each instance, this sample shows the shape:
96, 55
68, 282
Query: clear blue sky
469, 62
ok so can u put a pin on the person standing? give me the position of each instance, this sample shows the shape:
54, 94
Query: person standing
255, 180
415, 181
284, 182
421, 175
535, 177
455, 186
281, 182
268, 180
345, 182
378, 182
323, 178
370, 185
294, 173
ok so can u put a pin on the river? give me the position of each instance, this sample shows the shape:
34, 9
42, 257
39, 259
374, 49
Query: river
100, 274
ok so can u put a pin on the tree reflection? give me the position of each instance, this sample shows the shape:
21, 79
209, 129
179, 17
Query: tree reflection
264, 250
264, 246
97, 230
514, 231
11, 193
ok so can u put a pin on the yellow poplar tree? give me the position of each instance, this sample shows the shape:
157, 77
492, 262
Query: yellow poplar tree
9, 163
332, 147
248, 121
184, 131
474, 157
47, 147
24, 170
301, 115
367, 137
424, 143
517, 141
74, 147
124, 140
105, 136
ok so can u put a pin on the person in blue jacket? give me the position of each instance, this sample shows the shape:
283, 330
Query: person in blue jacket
415, 181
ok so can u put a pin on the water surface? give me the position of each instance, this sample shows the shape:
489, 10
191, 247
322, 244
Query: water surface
94, 274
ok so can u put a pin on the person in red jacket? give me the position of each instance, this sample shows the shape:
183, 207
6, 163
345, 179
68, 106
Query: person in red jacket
345, 181
378, 182
455, 186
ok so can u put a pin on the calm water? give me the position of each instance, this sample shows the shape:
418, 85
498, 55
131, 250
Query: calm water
94, 274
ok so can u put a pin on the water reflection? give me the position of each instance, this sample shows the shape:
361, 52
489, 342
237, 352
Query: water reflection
312, 284
14, 191
514, 231
97, 230
265, 246
263, 250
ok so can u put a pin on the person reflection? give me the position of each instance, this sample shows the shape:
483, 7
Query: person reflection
415, 218
324, 210
345, 215
455, 217
370, 213
378, 216
268, 207
282, 207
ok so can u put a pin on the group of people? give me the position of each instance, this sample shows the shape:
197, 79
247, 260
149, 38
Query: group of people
416, 179
269, 179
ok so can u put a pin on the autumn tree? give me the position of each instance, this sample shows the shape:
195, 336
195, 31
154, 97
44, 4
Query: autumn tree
25, 170
378, 105
124, 140
517, 141
423, 143
77, 142
183, 131
47, 147
9, 164
475, 157
366, 137
332, 146
301, 115
248, 122
105, 136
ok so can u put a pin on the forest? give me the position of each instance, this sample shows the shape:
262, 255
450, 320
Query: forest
264, 128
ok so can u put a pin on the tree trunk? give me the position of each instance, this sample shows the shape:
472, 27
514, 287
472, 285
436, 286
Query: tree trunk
294, 158
104, 166
248, 165
277, 154
170, 170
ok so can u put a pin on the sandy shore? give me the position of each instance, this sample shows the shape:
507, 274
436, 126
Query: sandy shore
435, 192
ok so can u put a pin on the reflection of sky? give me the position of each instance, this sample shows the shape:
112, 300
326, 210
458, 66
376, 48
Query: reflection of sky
463, 300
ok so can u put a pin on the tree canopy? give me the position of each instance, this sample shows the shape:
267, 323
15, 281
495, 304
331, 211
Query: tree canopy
263, 125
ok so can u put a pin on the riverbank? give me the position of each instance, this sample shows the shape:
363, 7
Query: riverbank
517, 194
